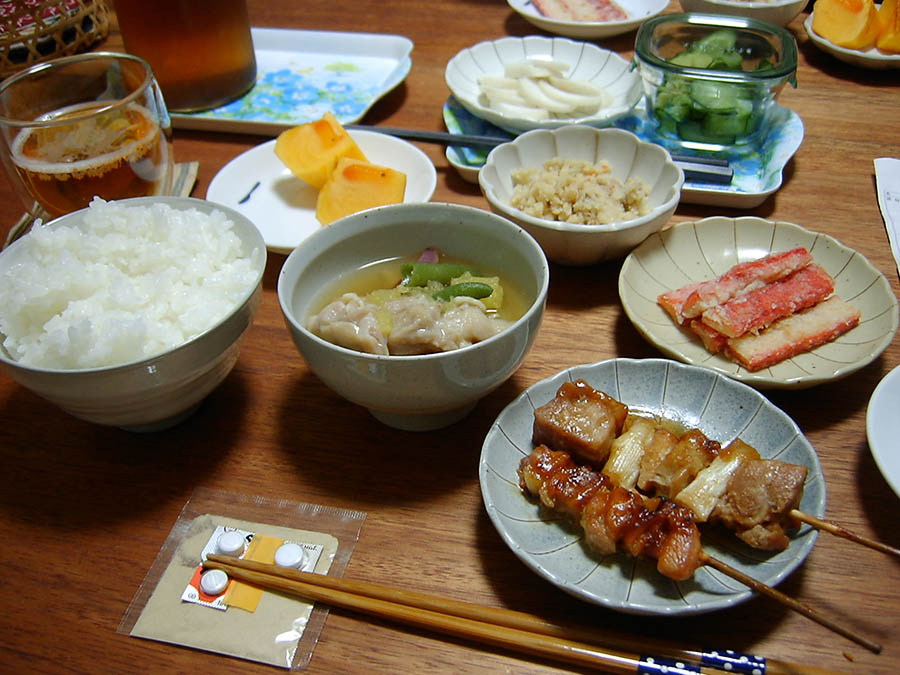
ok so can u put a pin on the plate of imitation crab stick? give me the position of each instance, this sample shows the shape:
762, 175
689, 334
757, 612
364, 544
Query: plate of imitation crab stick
669, 470
768, 303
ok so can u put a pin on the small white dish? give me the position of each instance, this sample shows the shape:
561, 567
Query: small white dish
283, 207
871, 58
587, 62
883, 427
779, 12
697, 250
696, 397
638, 11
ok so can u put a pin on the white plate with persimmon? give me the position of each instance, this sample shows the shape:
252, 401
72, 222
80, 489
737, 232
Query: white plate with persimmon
867, 35
705, 250
284, 207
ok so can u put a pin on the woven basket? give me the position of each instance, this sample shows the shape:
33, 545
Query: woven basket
32, 31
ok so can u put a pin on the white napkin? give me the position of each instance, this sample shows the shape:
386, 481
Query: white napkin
887, 183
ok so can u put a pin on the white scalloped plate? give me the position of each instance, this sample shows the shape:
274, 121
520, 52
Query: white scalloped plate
638, 11
587, 62
696, 397
693, 251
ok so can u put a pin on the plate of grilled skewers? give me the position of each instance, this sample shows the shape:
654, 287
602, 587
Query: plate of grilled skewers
768, 303
649, 486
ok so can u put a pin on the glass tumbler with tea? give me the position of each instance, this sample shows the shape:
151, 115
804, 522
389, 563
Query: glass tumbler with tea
200, 50
76, 127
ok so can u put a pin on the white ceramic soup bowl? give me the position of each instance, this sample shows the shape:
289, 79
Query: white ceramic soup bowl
157, 392
419, 392
628, 157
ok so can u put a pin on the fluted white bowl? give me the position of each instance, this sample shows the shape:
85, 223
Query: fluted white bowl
157, 392
587, 62
572, 244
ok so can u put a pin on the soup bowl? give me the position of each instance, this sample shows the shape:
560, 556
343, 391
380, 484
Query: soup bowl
414, 392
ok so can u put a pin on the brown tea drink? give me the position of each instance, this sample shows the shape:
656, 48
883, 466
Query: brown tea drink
114, 155
201, 51
84, 126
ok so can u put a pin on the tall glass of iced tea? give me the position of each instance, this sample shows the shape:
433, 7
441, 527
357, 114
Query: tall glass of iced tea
85, 125
200, 50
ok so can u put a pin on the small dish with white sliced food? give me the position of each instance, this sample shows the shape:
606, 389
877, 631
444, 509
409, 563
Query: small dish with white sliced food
519, 84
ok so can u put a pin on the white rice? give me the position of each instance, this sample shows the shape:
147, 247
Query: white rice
139, 281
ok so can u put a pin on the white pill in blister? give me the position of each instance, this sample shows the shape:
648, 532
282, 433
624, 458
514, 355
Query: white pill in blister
213, 582
290, 555
230, 543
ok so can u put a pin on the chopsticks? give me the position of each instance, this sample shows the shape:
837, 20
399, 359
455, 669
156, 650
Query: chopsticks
508, 629
696, 169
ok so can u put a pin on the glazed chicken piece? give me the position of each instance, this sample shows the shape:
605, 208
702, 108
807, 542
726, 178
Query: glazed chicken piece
758, 501
570, 488
670, 536
581, 421
613, 517
693, 452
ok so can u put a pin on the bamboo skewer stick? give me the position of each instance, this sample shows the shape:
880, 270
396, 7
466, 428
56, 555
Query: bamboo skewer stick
500, 627
790, 602
840, 531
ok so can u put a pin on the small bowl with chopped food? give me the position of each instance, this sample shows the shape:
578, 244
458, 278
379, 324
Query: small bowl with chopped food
779, 12
415, 311
537, 82
710, 82
129, 313
585, 194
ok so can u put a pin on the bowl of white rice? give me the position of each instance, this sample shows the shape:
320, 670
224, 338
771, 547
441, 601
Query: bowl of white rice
587, 195
130, 313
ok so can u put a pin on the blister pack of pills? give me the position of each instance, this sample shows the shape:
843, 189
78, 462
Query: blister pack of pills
181, 603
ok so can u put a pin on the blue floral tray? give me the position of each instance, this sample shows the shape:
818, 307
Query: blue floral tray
757, 168
301, 75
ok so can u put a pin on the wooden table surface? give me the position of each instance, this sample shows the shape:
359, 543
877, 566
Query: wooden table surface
84, 510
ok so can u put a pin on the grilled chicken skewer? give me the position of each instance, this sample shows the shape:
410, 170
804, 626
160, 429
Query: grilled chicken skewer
756, 498
614, 518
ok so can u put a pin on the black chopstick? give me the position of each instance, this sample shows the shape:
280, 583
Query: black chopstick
696, 169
